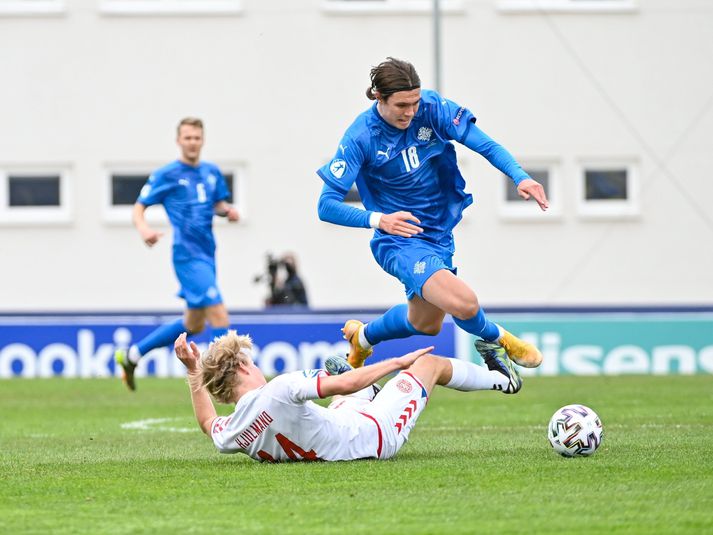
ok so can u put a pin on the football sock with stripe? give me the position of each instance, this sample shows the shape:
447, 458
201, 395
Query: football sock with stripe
468, 377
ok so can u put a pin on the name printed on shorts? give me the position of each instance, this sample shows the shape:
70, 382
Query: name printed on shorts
247, 437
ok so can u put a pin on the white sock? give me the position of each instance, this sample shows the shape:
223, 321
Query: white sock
468, 377
363, 342
502, 333
134, 354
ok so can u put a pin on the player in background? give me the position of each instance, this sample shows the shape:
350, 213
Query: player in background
277, 421
192, 192
400, 156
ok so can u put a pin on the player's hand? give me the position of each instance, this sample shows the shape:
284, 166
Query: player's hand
232, 214
531, 188
400, 224
190, 357
409, 358
150, 236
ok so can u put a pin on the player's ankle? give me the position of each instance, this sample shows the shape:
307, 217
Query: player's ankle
133, 354
363, 342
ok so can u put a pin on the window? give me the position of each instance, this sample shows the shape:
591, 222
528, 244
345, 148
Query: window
34, 196
125, 188
605, 184
125, 183
607, 190
567, 6
352, 196
171, 7
379, 7
512, 206
31, 7
42, 190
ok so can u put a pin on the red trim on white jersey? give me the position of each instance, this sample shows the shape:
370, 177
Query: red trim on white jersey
319, 390
378, 428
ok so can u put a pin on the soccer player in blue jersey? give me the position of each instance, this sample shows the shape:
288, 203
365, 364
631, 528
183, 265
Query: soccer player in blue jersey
400, 155
192, 192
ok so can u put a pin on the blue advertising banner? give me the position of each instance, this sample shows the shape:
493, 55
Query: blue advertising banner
572, 342
83, 346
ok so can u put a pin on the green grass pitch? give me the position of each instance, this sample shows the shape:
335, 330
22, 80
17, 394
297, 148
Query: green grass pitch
476, 463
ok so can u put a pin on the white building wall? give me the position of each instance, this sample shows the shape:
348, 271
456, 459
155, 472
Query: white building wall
277, 85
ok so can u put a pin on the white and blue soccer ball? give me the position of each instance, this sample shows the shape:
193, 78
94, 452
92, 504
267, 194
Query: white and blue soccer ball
575, 430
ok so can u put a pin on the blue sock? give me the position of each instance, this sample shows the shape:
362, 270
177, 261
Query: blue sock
392, 324
217, 332
479, 325
163, 336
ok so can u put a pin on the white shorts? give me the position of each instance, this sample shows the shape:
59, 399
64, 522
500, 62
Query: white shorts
395, 411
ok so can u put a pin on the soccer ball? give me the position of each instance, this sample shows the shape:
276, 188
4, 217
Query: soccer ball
575, 430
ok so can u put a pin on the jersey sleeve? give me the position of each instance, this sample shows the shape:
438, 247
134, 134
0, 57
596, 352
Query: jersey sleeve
221, 192
221, 438
341, 172
155, 189
298, 387
452, 120
332, 208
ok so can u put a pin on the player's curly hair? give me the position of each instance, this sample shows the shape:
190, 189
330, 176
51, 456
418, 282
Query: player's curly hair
392, 76
220, 362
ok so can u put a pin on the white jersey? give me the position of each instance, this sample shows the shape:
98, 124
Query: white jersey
278, 422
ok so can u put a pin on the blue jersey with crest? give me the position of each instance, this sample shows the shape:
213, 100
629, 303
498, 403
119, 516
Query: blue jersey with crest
413, 170
188, 194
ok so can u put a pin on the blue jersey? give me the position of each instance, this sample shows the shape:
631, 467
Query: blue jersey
413, 170
188, 194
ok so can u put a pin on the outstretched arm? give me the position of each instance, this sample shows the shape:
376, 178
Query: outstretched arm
354, 380
502, 160
202, 405
333, 209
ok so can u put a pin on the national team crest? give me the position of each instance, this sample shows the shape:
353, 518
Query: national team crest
404, 386
337, 167
419, 268
424, 134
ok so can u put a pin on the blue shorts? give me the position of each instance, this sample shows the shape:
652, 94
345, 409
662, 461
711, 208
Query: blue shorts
198, 283
411, 260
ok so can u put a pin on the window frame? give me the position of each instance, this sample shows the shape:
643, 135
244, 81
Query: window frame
141, 8
530, 211
32, 8
121, 214
613, 209
35, 215
384, 7
568, 6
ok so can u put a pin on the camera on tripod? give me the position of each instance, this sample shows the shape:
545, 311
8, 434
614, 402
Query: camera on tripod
284, 284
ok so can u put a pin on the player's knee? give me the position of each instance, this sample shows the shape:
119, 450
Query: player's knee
218, 317
431, 369
429, 328
466, 309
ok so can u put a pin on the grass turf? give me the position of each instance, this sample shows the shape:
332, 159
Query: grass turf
476, 463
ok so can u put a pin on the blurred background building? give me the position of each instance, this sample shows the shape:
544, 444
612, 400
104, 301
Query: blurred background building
608, 102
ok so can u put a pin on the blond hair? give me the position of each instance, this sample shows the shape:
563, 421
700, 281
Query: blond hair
190, 121
220, 362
